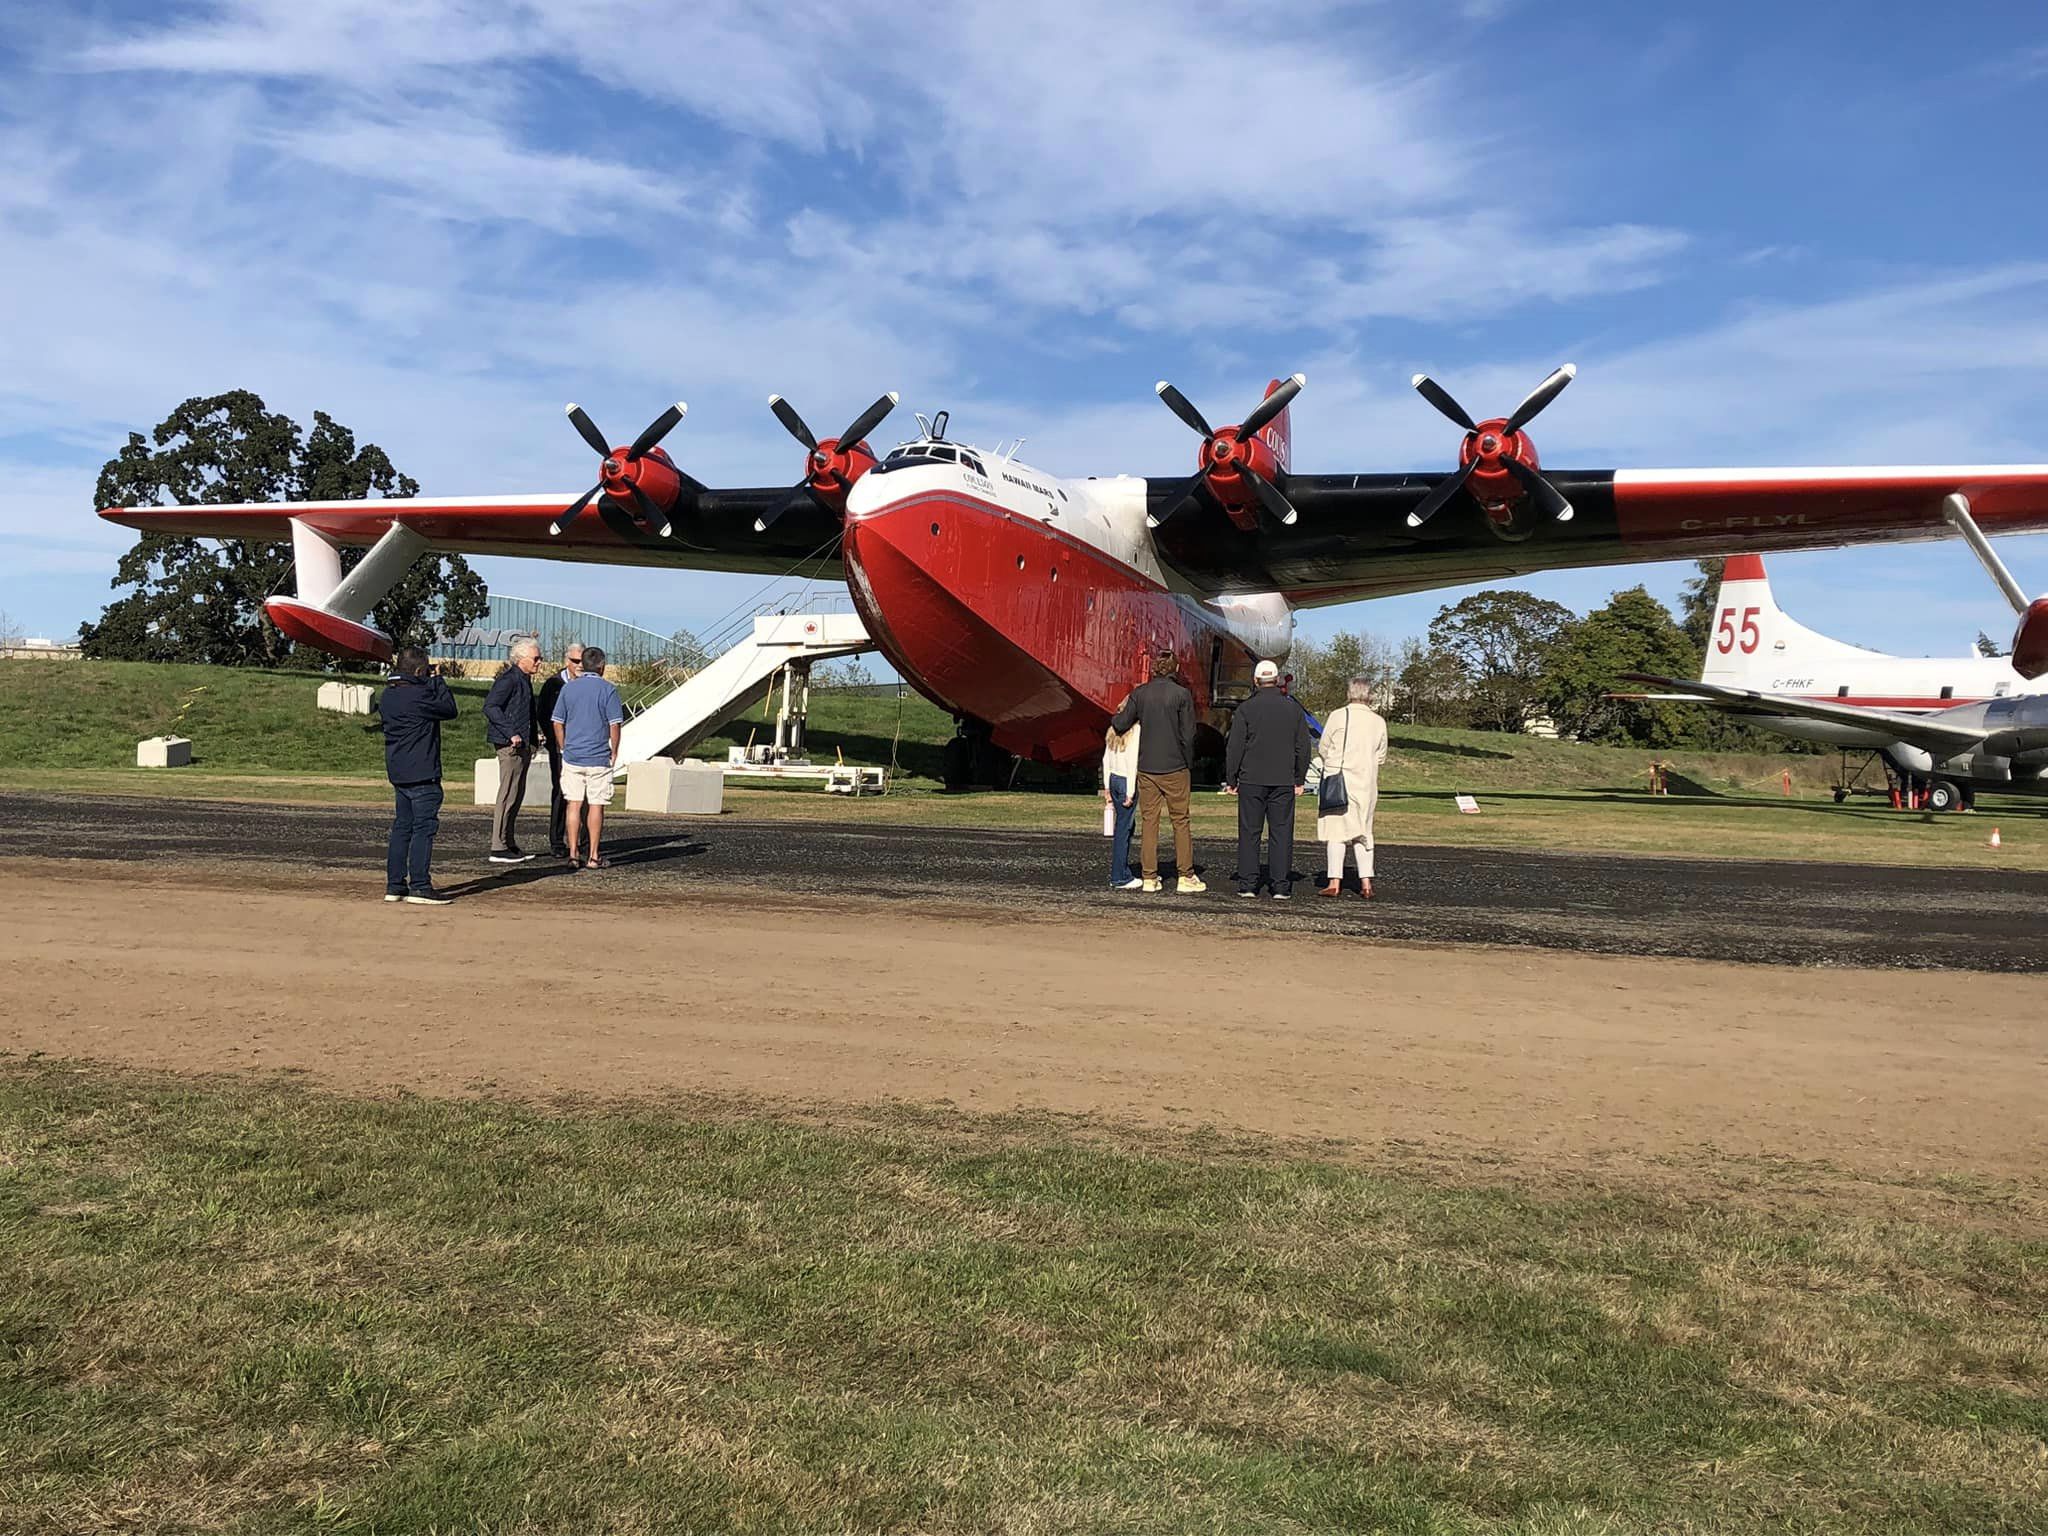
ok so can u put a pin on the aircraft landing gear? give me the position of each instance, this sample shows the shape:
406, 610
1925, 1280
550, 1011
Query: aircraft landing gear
972, 760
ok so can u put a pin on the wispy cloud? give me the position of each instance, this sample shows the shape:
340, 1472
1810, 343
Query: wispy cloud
442, 219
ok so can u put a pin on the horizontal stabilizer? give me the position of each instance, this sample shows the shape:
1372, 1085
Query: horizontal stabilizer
1931, 732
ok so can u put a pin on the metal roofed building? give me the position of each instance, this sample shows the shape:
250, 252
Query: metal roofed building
509, 619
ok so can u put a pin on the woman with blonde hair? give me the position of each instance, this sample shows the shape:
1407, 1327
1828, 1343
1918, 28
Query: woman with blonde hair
1120, 795
1345, 779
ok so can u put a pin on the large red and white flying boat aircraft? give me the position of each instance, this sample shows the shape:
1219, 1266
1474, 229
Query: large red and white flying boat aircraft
1028, 601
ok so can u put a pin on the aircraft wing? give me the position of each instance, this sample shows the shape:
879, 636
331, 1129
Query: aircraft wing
1352, 539
712, 530
1943, 738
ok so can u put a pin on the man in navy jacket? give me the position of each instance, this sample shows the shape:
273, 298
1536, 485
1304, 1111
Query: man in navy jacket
414, 704
509, 724
1265, 764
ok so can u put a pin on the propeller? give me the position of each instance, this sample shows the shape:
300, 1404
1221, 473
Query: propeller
1495, 450
830, 472
1226, 455
622, 467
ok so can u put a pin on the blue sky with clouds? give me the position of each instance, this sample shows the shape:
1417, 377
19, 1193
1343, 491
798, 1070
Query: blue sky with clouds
1767, 234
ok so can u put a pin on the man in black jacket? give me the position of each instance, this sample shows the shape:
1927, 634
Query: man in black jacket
1166, 759
544, 711
1265, 764
510, 727
412, 707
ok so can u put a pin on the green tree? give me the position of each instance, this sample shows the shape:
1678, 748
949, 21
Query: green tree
1696, 608
1633, 633
202, 600
1323, 672
1430, 687
1499, 639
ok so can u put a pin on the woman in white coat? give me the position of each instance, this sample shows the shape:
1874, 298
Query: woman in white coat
1355, 744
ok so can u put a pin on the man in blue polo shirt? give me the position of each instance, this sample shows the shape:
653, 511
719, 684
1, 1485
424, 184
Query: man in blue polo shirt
586, 719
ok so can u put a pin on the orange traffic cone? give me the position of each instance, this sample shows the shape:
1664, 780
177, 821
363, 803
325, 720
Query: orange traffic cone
1994, 837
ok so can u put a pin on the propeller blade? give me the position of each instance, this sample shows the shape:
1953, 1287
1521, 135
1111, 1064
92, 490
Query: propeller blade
1270, 407
799, 494
868, 420
1440, 397
1541, 396
1445, 489
1548, 495
575, 507
580, 420
1269, 495
648, 509
1182, 407
1178, 504
657, 429
792, 423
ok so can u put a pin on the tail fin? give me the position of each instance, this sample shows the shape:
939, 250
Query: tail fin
1754, 642
1278, 434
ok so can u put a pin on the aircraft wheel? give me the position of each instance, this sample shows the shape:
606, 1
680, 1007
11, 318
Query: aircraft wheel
1944, 795
1841, 794
957, 764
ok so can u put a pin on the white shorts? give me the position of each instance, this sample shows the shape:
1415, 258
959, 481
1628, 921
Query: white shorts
591, 784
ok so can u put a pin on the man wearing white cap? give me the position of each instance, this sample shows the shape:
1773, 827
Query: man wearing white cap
1265, 765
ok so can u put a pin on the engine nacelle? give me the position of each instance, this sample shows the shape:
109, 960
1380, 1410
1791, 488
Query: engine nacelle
2030, 640
1261, 622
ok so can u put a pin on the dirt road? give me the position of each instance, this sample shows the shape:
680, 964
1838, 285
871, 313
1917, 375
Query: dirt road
1567, 1056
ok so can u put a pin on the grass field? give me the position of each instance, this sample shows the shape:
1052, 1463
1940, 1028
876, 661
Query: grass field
243, 1307
72, 727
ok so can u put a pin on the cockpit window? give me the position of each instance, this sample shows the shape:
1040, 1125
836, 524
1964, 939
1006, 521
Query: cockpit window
974, 464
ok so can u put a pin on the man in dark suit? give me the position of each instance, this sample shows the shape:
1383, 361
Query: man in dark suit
544, 710
1265, 765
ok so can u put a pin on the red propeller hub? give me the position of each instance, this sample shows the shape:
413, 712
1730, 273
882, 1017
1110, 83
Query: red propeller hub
1493, 485
833, 469
1224, 458
653, 471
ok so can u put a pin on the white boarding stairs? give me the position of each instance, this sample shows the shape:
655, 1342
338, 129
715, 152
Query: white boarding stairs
727, 687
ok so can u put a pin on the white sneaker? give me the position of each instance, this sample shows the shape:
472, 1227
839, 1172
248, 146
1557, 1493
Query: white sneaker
1190, 885
1150, 884
1132, 884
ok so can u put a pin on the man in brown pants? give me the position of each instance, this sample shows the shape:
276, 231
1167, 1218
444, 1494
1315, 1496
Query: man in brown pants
1166, 759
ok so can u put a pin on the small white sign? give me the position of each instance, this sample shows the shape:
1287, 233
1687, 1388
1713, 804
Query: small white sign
1467, 806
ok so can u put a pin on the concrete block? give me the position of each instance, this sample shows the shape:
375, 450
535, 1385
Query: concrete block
536, 781
666, 786
163, 752
345, 698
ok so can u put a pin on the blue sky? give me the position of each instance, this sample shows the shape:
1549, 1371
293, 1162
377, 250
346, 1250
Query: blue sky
1767, 234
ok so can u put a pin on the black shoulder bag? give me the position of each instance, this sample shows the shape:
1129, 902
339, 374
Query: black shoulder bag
1332, 799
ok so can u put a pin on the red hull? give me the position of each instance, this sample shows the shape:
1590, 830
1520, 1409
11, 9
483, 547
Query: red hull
1005, 618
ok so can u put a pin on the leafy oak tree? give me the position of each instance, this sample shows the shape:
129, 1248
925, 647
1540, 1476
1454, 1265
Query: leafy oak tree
1633, 633
1500, 639
202, 599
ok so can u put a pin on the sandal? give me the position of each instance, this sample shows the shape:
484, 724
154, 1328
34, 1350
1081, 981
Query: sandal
597, 863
